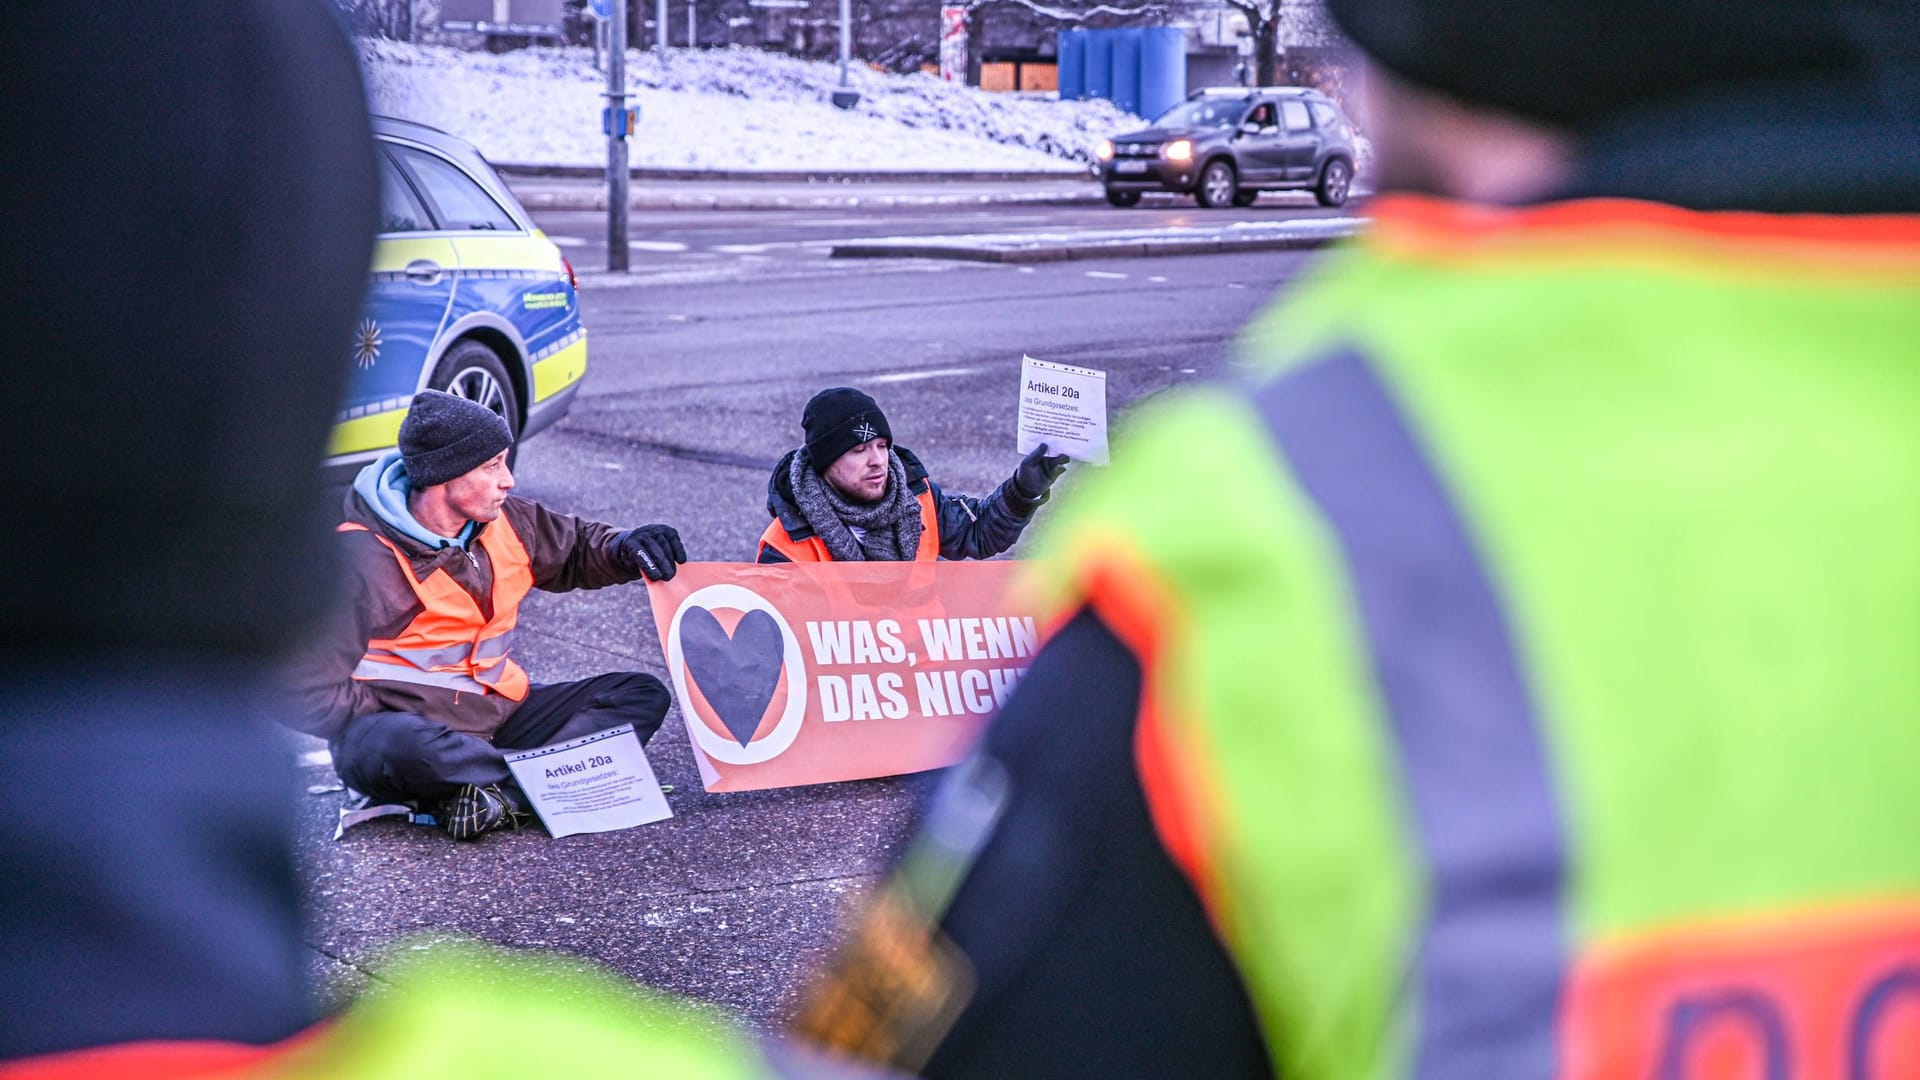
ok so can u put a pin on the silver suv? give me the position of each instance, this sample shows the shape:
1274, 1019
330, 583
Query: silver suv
1225, 146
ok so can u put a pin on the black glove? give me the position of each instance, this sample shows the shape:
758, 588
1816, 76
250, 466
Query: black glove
654, 550
1037, 472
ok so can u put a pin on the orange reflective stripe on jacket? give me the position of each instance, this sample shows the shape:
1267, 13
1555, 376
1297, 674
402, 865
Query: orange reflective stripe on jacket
451, 643
813, 549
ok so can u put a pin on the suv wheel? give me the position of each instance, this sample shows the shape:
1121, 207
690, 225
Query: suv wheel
1218, 185
1336, 178
1123, 198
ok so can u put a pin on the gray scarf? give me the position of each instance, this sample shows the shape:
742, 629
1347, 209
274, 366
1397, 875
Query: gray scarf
892, 525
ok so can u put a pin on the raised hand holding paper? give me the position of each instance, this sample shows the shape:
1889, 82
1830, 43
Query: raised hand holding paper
1064, 407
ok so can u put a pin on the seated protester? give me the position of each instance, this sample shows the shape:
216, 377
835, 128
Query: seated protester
415, 686
849, 495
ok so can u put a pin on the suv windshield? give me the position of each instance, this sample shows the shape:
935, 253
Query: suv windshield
1203, 112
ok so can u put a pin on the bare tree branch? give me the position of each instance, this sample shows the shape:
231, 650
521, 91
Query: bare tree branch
1067, 15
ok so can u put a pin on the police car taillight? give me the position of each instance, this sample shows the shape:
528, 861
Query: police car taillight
571, 280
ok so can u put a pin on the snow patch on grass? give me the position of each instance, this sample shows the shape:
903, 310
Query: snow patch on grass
733, 109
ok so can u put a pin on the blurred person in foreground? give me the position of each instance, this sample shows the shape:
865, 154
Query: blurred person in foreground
190, 207
1543, 699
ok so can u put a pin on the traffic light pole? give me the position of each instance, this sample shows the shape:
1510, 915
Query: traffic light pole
618, 173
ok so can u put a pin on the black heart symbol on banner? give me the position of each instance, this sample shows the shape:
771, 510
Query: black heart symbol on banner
738, 674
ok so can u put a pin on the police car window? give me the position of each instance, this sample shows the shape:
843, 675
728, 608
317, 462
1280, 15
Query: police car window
1295, 114
460, 203
400, 209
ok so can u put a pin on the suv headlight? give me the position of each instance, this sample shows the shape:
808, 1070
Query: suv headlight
1179, 150
1103, 149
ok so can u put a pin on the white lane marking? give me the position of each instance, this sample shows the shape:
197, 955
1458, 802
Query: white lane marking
914, 376
568, 241
316, 757
1158, 279
1108, 274
761, 249
656, 245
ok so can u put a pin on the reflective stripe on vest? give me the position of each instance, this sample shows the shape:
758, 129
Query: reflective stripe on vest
450, 644
1492, 956
813, 549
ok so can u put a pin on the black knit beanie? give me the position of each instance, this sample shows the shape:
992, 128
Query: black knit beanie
1573, 64
445, 436
838, 420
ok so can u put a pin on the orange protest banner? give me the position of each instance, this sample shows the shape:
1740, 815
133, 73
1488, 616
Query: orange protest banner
804, 673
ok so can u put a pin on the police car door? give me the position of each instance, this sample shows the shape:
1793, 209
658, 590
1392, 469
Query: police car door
511, 279
408, 299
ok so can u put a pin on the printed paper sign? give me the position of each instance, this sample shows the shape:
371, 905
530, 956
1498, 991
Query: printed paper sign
598, 783
802, 673
1064, 407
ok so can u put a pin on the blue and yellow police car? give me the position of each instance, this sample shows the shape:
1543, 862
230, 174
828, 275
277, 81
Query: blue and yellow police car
467, 296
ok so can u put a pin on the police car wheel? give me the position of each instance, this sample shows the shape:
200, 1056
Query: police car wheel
472, 371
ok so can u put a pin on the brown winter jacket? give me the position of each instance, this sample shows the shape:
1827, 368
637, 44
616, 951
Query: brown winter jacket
566, 553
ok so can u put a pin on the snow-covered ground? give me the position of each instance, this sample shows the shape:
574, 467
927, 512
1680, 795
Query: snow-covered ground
733, 109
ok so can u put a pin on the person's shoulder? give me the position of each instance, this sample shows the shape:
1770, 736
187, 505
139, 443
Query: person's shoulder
916, 472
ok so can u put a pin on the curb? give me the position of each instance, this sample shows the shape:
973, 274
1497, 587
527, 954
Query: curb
1123, 249
832, 176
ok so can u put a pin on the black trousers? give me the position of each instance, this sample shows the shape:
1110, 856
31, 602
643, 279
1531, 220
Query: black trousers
403, 757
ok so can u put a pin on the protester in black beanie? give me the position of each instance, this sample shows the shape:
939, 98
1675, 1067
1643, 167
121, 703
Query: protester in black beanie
848, 494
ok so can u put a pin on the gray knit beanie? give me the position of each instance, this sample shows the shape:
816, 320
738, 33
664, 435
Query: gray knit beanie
445, 436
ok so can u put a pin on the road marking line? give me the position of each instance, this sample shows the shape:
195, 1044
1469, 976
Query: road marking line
656, 245
1106, 274
568, 241
914, 376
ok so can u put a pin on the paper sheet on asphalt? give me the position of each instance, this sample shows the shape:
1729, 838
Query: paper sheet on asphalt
1064, 407
599, 783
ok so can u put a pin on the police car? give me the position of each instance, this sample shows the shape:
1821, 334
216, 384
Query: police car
467, 296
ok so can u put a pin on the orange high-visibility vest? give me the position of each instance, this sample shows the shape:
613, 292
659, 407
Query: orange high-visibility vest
451, 644
814, 549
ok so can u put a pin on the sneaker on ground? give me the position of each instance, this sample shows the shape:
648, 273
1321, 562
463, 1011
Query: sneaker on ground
476, 810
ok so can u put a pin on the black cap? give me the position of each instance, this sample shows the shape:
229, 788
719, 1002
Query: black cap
1571, 63
838, 420
445, 436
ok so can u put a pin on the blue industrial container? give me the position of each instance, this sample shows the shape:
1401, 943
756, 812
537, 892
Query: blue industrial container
1126, 68
1099, 64
1072, 58
1163, 69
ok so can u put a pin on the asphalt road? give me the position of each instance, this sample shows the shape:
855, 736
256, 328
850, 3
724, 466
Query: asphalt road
664, 239
700, 363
